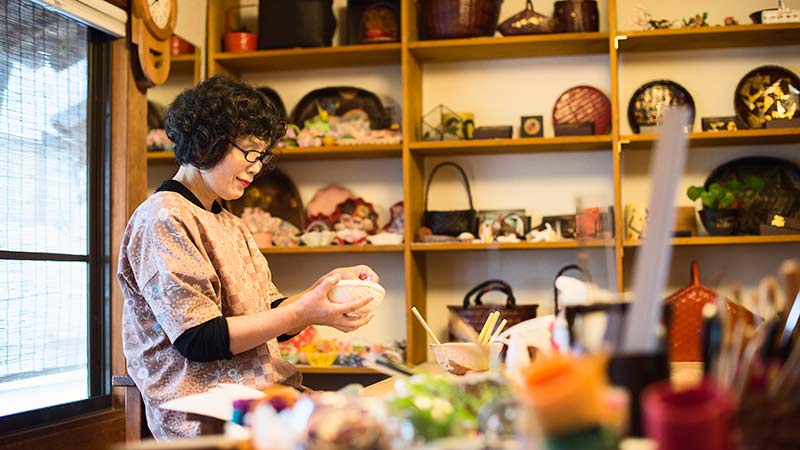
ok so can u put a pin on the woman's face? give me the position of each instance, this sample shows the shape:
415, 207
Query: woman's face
229, 178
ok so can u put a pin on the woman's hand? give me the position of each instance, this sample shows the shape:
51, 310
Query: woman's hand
359, 272
317, 309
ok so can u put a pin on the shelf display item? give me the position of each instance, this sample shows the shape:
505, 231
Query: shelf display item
353, 220
347, 291
636, 221
644, 21
180, 46
648, 102
582, 104
453, 19
275, 193
317, 234
452, 222
261, 225
299, 23
340, 116
720, 123
276, 100
687, 317
531, 126
525, 22
458, 126
474, 312
780, 193
574, 16
494, 132
373, 21
323, 203
396, 222
765, 94
239, 39
781, 14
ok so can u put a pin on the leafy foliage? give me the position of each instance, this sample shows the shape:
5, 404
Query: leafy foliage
727, 195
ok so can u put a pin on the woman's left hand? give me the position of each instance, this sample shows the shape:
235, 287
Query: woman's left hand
359, 272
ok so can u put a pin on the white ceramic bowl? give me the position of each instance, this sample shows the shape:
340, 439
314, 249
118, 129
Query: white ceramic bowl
459, 358
350, 290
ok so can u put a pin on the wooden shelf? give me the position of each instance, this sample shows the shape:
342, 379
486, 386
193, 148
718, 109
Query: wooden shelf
311, 58
728, 240
472, 49
720, 138
340, 152
521, 145
182, 65
327, 249
454, 246
709, 37
310, 153
337, 370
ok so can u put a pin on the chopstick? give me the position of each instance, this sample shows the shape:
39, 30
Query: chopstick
425, 325
498, 330
488, 326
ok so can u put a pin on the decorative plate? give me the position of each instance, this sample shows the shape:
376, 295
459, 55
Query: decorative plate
324, 202
767, 93
647, 104
781, 193
275, 99
339, 100
275, 193
584, 104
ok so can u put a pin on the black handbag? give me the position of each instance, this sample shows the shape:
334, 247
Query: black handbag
453, 222
296, 23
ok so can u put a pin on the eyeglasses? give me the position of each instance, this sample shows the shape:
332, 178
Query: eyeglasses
253, 156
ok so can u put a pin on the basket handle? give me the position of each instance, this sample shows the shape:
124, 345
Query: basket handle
488, 286
563, 270
463, 176
529, 5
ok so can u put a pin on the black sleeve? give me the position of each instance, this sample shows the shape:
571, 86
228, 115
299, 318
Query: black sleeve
283, 337
209, 341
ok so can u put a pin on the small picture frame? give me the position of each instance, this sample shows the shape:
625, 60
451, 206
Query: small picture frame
531, 126
720, 123
514, 220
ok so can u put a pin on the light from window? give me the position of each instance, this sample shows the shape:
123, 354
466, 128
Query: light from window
44, 201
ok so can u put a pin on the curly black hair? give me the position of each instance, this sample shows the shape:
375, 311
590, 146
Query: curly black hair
204, 120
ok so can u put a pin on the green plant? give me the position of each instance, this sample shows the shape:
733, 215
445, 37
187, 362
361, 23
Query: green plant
727, 195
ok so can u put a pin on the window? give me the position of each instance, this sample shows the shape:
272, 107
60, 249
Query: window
54, 275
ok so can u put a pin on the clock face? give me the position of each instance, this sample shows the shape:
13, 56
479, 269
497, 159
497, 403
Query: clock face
160, 11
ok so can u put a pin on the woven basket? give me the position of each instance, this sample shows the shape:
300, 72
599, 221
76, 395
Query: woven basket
450, 19
476, 315
687, 322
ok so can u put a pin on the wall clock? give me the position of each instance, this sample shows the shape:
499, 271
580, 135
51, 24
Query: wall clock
152, 25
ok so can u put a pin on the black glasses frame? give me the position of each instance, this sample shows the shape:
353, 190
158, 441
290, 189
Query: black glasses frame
265, 157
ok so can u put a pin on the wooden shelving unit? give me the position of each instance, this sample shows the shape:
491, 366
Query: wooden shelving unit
412, 55
332, 249
310, 153
737, 36
310, 58
729, 240
185, 65
720, 138
460, 247
474, 49
519, 145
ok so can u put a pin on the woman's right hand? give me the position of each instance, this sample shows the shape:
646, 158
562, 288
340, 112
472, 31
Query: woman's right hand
317, 309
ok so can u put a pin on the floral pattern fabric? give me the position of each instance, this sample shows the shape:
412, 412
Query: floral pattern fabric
180, 266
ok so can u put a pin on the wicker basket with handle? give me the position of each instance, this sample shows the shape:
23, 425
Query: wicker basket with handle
451, 19
475, 315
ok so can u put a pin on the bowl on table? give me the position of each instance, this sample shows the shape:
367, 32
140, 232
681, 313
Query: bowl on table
460, 358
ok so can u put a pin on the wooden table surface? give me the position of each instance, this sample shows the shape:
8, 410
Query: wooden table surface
682, 374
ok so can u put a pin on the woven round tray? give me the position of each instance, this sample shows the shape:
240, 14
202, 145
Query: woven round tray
583, 104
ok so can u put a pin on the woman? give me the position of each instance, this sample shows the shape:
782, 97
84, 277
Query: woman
200, 306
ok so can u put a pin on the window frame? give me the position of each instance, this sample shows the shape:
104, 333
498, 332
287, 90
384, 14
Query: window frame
99, 271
